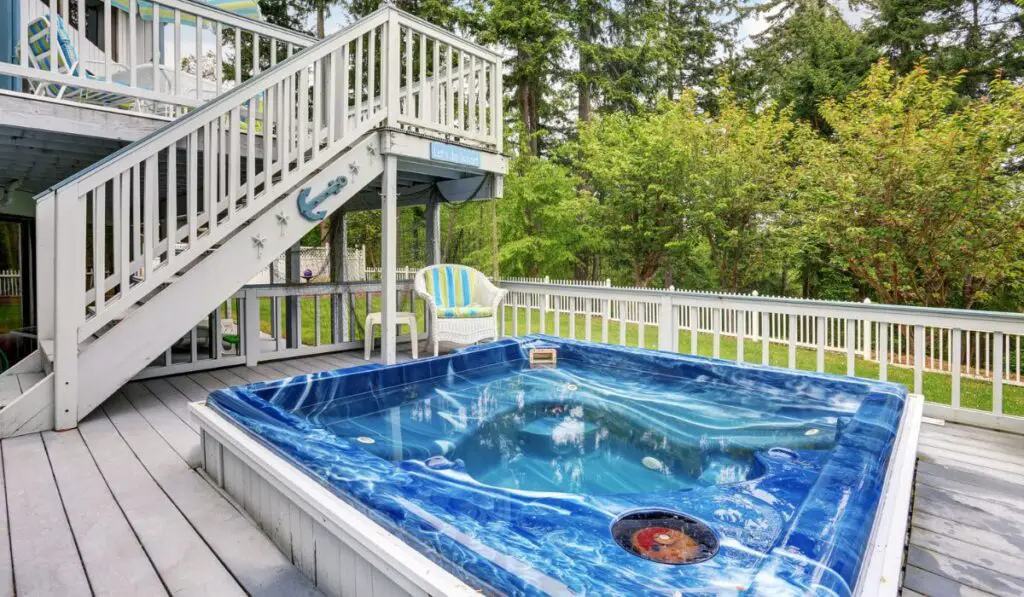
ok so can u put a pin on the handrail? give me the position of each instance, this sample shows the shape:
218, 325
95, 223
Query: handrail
131, 222
874, 311
938, 345
195, 119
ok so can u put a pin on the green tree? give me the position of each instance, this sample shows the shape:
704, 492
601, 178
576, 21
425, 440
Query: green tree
920, 202
810, 56
982, 37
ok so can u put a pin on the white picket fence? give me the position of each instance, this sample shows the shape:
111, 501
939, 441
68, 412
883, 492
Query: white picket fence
978, 351
10, 282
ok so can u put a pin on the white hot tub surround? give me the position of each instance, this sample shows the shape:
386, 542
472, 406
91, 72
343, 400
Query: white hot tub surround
347, 554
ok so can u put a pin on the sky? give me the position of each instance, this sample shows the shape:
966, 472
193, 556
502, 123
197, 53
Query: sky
750, 26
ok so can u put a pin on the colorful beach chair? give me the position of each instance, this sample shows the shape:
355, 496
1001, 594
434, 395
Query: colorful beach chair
39, 56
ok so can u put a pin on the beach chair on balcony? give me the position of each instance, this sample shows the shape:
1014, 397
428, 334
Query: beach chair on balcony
462, 304
39, 56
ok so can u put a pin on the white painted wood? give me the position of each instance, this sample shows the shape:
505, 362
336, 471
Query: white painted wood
43, 548
363, 545
883, 560
389, 257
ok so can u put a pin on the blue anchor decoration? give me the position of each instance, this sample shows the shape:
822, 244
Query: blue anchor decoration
307, 206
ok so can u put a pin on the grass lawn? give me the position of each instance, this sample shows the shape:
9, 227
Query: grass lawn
937, 387
10, 315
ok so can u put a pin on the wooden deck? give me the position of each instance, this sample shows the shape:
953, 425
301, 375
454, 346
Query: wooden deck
115, 507
967, 530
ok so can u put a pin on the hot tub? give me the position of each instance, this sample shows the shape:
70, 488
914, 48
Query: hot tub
616, 471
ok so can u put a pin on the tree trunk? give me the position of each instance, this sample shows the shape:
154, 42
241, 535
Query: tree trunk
321, 10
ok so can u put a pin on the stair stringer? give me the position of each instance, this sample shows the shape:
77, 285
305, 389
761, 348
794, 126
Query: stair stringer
31, 412
115, 357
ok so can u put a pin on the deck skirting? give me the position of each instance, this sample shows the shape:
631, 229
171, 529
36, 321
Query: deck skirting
335, 545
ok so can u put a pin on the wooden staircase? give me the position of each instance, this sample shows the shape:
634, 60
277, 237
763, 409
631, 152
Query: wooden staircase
136, 249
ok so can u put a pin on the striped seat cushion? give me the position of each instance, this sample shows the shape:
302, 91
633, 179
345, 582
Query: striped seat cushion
464, 312
451, 286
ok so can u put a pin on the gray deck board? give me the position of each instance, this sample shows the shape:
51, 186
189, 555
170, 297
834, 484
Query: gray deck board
186, 565
252, 558
967, 528
114, 559
46, 559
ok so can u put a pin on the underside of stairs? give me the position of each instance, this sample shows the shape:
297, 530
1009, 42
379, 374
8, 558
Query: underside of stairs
149, 241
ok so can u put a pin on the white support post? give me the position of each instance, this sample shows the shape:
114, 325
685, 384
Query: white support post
956, 354
251, 327
919, 359
883, 351
716, 330
666, 324
997, 373
851, 348
819, 343
394, 70
866, 326
741, 335
792, 341
765, 336
694, 329
433, 232
389, 258
68, 304
292, 311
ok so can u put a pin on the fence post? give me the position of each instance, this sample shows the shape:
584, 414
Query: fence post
69, 302
250, 326
666, 324
866, 330
606, 312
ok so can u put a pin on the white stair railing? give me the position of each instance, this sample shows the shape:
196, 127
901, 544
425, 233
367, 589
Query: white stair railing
117, 235
118, 231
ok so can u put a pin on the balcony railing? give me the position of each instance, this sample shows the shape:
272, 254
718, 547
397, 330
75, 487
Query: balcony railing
164, 58
966, 363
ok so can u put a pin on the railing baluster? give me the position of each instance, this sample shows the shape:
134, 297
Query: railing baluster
250, 149
238, 56
234, 154
170, 205
302, 108
318, 89
357, 84
192, 205
133, 76
410, 108
820, 345
792, 331
176, 65
124, 219
515, 319
156, 41
955, 364
919, 340
199, 57
741, 335
851, 346
997, 373
218, 52
766, 338
149, 206
99, 234
108, 46
716, 330
694, 328
136, 210
884, 337
424, 94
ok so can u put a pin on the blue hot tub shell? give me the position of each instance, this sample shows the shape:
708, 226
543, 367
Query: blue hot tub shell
799, 523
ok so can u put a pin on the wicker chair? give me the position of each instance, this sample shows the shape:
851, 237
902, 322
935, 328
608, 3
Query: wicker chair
462, 303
